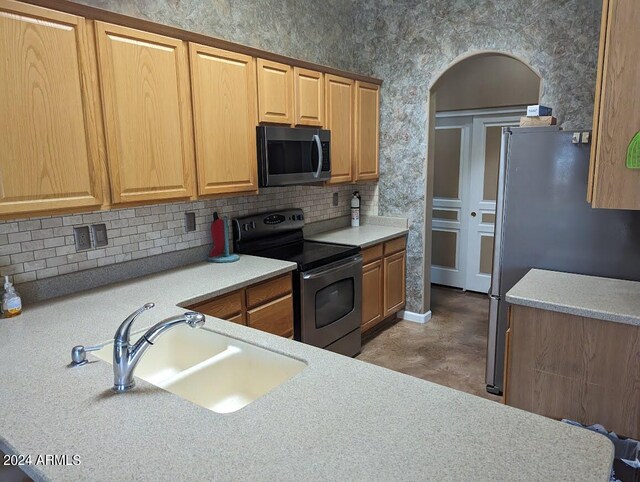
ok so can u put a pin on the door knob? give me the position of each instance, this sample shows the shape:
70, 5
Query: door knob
473, 214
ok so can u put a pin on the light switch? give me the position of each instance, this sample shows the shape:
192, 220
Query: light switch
100, 235
576, 138
586, 137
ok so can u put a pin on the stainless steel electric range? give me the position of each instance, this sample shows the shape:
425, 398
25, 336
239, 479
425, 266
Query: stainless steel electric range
327, 286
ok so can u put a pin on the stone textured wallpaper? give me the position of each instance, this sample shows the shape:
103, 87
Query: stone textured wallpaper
410, 43
296, 28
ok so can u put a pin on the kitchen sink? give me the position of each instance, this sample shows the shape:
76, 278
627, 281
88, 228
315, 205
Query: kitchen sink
212, 370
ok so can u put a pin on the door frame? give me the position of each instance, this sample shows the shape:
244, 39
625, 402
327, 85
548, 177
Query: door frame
472, 124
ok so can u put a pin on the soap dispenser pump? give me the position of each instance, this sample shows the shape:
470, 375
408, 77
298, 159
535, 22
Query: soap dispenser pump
11, 302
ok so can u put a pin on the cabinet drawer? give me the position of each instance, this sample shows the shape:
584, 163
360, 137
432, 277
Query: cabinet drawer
239, 319
225, 307
275, 317
269, 290
372, 253
395, 245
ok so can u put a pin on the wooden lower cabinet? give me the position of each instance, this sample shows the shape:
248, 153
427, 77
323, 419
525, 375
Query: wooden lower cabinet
383, 281
265, 306
371, 294
566, 366
274, 317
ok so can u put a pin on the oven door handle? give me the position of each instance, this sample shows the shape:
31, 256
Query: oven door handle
316, 138
315, 274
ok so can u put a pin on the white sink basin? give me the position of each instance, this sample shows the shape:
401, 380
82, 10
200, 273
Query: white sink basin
212, 370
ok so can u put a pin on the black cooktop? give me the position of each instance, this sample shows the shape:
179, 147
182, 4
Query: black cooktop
309, 254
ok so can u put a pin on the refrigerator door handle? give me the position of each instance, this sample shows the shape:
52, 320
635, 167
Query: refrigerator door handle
500, 211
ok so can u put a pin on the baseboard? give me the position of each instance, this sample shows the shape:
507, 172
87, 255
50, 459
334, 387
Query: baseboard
415, 317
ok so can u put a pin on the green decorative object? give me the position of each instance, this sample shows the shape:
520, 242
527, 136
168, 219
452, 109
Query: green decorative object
633, 152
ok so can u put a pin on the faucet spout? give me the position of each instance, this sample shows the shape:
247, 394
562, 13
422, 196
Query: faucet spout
126, 356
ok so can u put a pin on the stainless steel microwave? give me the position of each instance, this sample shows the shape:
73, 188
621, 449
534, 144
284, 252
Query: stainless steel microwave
289, 156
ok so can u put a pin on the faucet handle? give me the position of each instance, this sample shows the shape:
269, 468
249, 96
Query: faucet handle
122, 335
194, 319
79, 354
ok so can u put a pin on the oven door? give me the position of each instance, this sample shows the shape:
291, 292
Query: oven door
290, 156
331, 302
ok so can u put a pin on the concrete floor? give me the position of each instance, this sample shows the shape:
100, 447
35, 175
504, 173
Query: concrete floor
449, 350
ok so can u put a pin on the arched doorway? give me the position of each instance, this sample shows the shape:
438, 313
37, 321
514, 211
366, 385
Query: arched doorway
470, 102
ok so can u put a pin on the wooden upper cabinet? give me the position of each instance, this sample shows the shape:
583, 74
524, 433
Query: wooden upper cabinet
147, 110
309, 97
49, 146
275, 92
339, 120
223, 86
367, 124
617, 110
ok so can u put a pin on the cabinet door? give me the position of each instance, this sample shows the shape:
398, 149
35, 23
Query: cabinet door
617, 116
275, 92
309, 97
225, 118
394, 283
340, 121
367, 131
371, 295
49, 146
148, 123
275, 317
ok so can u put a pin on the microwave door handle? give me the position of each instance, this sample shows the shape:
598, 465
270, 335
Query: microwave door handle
316, 138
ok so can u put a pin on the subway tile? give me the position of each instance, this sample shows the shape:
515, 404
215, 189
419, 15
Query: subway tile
77, 257
29, 225
9, 249
68, 268
113, 251
32, 245
6, 228
44, 253
47, 273
89, 264
71, 220
22, 257
19, 237
54, 242
56, 261
96, 253
42, 234
24, 277
106, 260
65, 250
12, 269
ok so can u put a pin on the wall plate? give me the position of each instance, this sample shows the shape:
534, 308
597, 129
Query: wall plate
82, 238
100, 238
190, 220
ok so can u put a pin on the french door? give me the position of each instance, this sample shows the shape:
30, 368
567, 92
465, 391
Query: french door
467, 157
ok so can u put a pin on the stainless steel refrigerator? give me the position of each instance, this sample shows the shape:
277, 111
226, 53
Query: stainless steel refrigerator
543, 221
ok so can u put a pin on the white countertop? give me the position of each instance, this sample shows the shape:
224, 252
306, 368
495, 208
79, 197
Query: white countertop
338, 419
363, 236
590, 296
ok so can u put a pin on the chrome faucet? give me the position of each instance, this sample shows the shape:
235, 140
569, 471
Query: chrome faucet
126, 356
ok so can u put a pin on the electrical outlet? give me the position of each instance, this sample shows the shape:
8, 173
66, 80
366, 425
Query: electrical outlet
82, 237
335, 198
190, 219
100, 238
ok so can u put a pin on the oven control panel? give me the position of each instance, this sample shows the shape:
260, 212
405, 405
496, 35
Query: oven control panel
265, 224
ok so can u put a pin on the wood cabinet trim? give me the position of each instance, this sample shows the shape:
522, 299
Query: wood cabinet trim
372, 253
269, 290
223, 306
394, 245
103, 15
377, 291
105, 31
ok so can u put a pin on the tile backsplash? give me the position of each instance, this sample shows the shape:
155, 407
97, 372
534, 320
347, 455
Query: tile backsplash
39, 248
